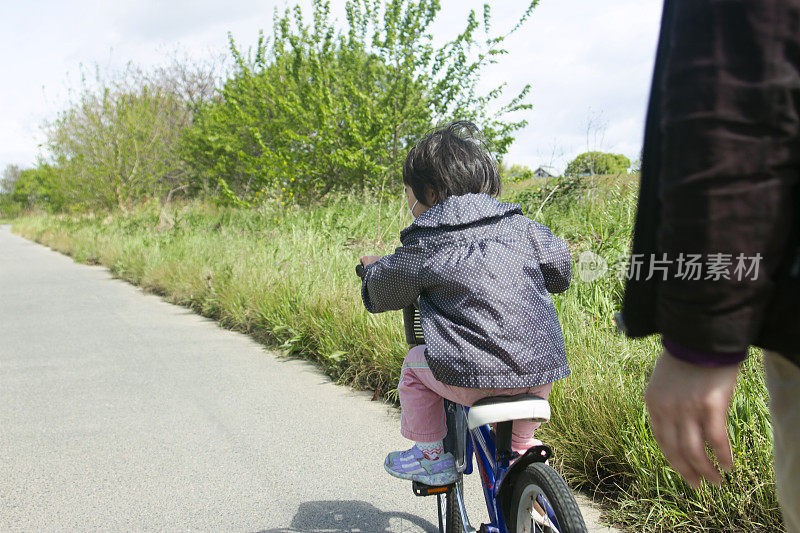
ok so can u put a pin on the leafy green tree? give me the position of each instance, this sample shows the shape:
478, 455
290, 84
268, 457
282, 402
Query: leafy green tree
40, 186
321, 109
9, 177
117, 143
598, 163
514, 173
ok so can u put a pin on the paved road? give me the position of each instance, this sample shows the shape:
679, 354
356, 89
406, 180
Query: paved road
120, 411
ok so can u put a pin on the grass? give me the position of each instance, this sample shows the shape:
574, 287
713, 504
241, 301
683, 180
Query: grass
286, 276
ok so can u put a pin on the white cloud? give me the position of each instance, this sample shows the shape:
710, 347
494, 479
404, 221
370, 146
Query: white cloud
581, 57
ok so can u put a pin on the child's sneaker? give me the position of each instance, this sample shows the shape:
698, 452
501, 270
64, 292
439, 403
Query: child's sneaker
412, 464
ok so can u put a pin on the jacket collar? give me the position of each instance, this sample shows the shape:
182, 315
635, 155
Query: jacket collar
462, 210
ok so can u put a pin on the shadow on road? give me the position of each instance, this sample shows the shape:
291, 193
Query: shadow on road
351, 517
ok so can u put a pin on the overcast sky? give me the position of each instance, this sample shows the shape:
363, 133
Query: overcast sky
588, 61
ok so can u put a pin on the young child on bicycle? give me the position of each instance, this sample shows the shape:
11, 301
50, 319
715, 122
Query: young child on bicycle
483, 273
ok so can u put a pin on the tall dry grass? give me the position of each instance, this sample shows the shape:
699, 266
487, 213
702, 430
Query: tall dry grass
287, 277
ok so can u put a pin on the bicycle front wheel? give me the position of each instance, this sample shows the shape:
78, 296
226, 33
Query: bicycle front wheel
543, 503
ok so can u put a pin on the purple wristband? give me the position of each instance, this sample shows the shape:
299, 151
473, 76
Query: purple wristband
702, 357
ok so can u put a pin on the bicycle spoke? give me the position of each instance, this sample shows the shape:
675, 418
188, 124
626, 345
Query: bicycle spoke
539, 516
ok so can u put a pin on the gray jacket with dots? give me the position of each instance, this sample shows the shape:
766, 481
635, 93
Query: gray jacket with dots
483, 273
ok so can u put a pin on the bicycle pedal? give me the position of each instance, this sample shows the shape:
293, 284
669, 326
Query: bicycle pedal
421, 489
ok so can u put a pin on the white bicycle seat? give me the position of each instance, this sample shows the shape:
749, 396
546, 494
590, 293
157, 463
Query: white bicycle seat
504, 408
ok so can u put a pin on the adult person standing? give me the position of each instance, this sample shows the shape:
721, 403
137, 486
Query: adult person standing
720, 171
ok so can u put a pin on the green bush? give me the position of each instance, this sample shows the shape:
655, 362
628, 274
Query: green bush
40, 186
117, 144
598, 163
321, 110
8, 208
514, 173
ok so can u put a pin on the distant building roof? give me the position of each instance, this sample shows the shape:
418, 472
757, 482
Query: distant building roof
545, 171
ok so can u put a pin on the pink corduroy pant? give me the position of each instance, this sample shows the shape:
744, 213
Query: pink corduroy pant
422, 408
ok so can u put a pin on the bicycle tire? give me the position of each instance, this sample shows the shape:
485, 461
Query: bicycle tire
453, 523
538, 480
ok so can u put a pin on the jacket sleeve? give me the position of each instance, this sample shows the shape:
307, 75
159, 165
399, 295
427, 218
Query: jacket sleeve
726, 176
554, 258
393, 282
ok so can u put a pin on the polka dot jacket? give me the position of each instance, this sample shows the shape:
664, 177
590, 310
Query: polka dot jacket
483, 273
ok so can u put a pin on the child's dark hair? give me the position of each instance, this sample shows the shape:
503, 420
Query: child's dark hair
451, 161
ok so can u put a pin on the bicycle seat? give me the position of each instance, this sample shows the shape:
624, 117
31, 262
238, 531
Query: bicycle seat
504, 408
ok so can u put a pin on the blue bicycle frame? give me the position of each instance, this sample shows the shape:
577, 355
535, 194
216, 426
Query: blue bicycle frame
493, 471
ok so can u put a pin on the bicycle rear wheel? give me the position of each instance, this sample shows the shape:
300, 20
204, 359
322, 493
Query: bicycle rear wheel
543, 503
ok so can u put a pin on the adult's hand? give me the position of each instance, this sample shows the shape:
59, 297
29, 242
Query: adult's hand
688, 407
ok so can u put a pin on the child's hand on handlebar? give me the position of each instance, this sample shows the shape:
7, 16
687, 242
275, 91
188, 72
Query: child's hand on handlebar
369, 259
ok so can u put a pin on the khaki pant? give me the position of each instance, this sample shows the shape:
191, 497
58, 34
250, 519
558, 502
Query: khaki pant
783, 382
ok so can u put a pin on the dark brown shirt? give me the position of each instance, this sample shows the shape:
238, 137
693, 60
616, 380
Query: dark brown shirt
720, 171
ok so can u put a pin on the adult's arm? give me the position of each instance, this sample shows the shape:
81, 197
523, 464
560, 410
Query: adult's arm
724, 179
727, 169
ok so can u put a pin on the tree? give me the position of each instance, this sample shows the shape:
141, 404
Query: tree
598, 163
514, 173
320, 110
117, 143
10, 176
40, 186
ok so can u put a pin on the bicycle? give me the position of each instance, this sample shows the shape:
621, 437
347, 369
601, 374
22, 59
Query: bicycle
527, 495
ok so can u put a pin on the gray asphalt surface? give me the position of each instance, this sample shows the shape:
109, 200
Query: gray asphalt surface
119, 411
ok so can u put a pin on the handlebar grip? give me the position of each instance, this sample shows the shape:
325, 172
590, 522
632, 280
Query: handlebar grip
360, 270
